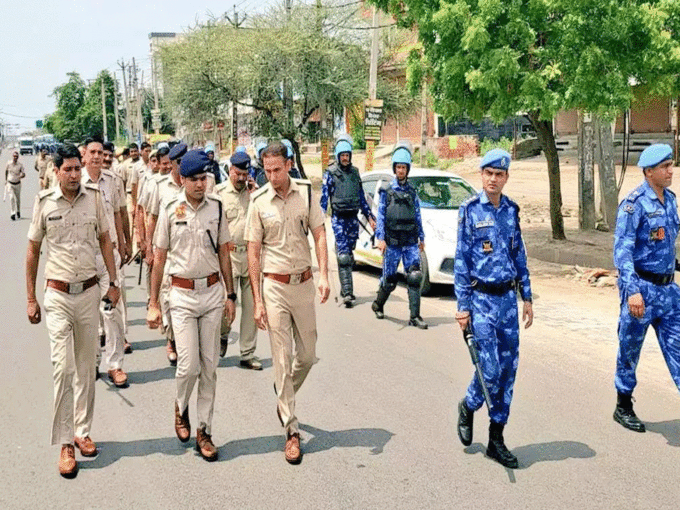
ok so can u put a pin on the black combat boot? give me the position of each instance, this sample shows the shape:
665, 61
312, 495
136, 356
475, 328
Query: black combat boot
465, 419
379, 302
346, 287
625, 415
414, 307
497, 449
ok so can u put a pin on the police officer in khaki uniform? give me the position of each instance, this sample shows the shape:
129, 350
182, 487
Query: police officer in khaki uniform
111, 316
41, 166
14, 172
166, 189
192, 235
281, 215
71, 219
236, 199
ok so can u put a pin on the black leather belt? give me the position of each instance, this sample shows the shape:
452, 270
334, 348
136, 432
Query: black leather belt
496, 289
655, 278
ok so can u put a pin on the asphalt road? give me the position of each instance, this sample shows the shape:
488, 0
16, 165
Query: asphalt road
377, 412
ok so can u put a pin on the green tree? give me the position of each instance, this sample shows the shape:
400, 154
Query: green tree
501, 57
70, 98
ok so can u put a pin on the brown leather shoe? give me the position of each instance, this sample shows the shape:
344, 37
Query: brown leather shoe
182, 425
86, 446
119, 378
68, 467
171, 352
127, 347
292, 449
205, 446
253, 363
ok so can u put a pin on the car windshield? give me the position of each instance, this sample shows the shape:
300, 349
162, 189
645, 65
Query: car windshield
441, 192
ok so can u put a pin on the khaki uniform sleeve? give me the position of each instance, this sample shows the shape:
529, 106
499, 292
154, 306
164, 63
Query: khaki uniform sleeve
254, 228
316, 216
223, 236
36, 231
102, 222
154, 201
161, 238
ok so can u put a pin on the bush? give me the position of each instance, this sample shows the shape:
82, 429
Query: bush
356, 130
431, 159
488, 144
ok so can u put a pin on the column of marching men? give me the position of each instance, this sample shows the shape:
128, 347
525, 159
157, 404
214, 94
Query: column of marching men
206, 244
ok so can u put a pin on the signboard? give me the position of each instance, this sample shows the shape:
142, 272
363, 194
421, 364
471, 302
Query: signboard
38, 124
155, 119
373, 119
207, 126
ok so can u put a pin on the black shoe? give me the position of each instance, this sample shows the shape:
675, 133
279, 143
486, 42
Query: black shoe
224, 343
465, 420
13, 217
417, 322
347, 301
625, 415
18, 215
251, 364
378, 310
497, 450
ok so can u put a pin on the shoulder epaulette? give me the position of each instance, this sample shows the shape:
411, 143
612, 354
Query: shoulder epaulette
257, 194
171, 202
670, 191
108, 172
634, 195
470, 200
45, 193
92, 186
513, 203
220, 187
303, 182
213, 196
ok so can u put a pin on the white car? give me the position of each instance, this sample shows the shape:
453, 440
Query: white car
440, 195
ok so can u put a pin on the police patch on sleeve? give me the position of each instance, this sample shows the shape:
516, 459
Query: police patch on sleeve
629, 208
487, 246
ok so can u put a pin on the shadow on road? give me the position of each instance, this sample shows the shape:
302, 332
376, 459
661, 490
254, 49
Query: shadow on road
147, 376
113, 451
543, 452
668, 429
136, 304
144, 345
321, 440
137, 322
233, 361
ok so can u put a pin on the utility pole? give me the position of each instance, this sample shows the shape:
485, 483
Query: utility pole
323, 112
156, 111
104, 107
139, 126
128, 117
234, 106
287, 92
115, 105
373, 82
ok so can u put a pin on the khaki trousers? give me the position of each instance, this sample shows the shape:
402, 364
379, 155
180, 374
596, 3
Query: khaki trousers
128, 203
15, 197
72, 321
196, 316
112, 321
292, 333
248, 328
166, 327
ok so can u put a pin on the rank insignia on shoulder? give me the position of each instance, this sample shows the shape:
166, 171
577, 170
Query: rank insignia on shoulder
629, 208
487, 246
657, 234
181, 211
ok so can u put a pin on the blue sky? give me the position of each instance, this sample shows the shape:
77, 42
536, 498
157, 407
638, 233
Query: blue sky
42, 40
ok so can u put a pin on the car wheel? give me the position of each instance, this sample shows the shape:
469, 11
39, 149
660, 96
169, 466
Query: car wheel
425, 285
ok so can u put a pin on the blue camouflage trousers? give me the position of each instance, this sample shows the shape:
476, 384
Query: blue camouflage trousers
662, 312
408, 255
346, 232
495, 325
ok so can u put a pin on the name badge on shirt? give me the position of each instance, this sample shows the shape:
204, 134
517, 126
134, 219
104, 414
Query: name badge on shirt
487, 246
53, 218
657, 234
485, 223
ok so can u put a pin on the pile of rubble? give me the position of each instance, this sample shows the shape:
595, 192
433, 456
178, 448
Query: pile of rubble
595, 277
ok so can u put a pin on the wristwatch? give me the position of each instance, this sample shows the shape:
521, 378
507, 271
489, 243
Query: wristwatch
232, 296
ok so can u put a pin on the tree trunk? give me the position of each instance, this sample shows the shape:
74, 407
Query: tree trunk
609, 196
545, 136
297, 156
586, 172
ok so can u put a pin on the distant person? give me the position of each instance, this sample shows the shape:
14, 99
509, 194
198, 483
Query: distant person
41, 163
644, 254
14, 172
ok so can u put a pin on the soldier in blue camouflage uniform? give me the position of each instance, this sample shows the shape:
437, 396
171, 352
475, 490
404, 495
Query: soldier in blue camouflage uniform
256, 171
490, 264
644, 253
342, 188
400, 236
261, 178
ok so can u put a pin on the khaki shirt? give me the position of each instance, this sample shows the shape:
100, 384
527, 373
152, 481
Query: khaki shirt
41, 165
50, 175
132, 169
14, 172
166, 189
281, 225
145, 181
110, 197
183, 231
71, 231
236, 208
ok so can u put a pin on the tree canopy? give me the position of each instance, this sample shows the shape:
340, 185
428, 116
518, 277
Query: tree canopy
498, 58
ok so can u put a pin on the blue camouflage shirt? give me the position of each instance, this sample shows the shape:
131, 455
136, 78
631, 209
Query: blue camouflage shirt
382, 205
645, 236
490, 247
327, 190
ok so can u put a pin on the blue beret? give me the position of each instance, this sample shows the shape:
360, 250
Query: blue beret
239, 159
655, 154
496, 158
178, 151
195, 162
